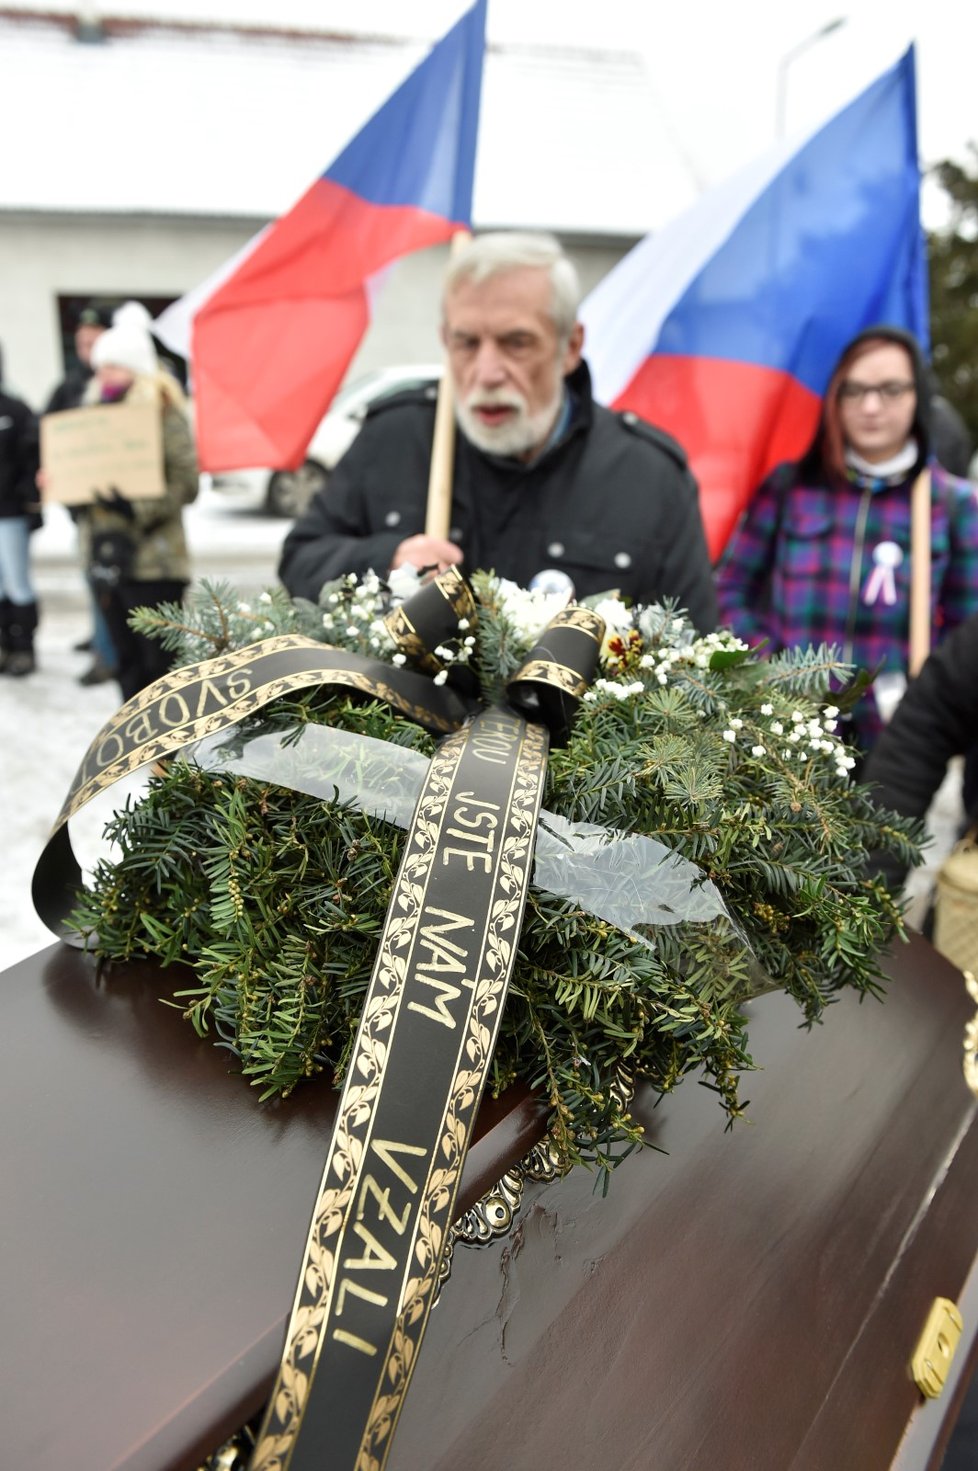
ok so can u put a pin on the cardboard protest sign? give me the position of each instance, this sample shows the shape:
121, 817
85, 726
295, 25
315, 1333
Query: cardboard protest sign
105, 447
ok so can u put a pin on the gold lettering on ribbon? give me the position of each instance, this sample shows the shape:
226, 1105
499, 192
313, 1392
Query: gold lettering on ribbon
376, 1257
465, 832
484, 818
494, 741
385, 1211
150, 721
208, 692
239, 682
140, 728
168, 720
109, 749
385, 1149
444, 955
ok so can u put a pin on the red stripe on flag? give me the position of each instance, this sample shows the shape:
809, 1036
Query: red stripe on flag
249, 411
736, 421
273, 344
327, 244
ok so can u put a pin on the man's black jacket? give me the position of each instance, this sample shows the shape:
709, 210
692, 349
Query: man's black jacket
612, 504
19, 495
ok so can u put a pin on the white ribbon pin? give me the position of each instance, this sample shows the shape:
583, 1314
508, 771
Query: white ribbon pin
881, 582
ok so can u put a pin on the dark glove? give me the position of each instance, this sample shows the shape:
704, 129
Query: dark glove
112, 556
113, 500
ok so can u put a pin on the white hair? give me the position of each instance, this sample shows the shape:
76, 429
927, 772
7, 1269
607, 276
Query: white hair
512, 250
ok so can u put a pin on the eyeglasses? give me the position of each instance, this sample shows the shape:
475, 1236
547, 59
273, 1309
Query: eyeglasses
890, 391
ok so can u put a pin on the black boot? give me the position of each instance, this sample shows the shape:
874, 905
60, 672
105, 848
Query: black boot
22, 621
6, 648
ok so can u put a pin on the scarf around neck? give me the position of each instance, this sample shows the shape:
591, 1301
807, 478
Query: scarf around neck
885, 472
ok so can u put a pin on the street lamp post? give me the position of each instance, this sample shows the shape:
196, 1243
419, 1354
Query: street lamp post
788, 58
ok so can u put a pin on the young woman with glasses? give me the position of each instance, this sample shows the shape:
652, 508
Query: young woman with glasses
822, 554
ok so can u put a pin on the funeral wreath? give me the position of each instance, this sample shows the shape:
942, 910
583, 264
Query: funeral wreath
702, 841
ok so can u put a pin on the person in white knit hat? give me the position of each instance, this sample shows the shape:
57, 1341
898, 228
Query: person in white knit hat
127, 345
136, 550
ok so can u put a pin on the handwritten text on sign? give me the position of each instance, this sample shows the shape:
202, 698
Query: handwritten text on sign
107, 446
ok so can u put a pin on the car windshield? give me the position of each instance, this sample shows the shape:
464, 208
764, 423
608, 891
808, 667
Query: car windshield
357, 390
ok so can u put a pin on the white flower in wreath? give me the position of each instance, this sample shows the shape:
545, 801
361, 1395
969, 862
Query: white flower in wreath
403, 582
529, 612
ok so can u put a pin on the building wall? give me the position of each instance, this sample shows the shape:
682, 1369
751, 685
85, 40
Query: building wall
44, 256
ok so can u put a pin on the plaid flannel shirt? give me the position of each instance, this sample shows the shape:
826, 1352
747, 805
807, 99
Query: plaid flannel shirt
793, 573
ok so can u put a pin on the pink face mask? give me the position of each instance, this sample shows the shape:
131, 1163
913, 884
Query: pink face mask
110, 393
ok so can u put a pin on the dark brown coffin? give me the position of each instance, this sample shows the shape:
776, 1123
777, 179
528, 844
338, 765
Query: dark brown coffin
747, 1300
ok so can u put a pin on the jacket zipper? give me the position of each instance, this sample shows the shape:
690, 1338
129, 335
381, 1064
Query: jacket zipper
856, 572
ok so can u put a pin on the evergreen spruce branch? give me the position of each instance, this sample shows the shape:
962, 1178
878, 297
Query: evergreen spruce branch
807, 671
214, 620
222, 640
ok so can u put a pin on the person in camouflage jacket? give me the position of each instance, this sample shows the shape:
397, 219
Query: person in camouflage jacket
136, 550
822, 554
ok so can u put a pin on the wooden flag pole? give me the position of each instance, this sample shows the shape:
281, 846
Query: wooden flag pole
438, 516
920, 534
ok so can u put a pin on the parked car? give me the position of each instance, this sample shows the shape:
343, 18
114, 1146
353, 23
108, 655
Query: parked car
288, 492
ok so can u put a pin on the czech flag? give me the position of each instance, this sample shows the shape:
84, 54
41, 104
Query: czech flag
273, 333
724, 327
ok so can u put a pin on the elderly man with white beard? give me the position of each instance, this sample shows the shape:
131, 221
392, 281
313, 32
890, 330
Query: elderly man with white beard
549, 488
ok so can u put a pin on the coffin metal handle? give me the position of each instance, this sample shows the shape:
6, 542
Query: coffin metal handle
971, 1037
931, 1362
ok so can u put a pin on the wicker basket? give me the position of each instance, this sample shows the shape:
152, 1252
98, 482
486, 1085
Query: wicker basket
956, 906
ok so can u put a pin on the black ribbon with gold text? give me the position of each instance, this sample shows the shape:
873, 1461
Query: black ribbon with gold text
412, 1091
